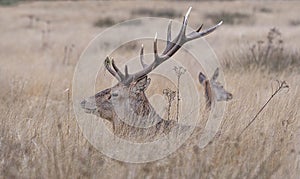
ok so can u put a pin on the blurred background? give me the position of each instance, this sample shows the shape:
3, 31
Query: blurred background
41, 42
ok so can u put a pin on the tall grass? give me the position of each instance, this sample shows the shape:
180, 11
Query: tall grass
39, 136
38, 139
268, 54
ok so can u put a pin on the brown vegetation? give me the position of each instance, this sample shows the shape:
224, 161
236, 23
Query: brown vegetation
39, 136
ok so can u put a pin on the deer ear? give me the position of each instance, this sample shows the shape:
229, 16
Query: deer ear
143, 83
148, 83
201, 77
215, 75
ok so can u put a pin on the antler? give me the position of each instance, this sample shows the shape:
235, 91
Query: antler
171, 48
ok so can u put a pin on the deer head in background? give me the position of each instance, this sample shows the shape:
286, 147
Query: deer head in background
214, 90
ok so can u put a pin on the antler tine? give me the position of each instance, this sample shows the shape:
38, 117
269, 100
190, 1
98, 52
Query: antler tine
169, 36
169, 33
198, 30
185, 21
156, 57
107, 66
197, 34
142, 57
171, 48
126, 71
120, 74
181, 34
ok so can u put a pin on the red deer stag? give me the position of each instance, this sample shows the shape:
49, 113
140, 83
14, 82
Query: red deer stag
125, 105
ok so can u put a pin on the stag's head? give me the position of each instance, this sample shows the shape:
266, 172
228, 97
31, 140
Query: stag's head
129, 93
214, 90
105, 103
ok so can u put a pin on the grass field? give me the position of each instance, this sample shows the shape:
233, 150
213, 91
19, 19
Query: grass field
41, 43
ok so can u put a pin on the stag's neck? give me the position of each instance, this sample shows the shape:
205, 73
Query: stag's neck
141, 129
139, 104
141, 120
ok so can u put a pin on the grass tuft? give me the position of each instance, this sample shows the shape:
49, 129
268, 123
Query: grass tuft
8, 2
268, 54
167, 13
295, 22
231, 18
105, 22
265, 10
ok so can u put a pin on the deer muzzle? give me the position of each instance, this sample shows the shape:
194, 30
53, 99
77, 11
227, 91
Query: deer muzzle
89, 105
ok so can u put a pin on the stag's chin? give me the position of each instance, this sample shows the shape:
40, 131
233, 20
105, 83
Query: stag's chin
88, 107
90, 111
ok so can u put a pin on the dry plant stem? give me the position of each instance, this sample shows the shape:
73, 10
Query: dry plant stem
179, 71
68, 108
178, 98
46, 98
281, 86
68, 54
170, 94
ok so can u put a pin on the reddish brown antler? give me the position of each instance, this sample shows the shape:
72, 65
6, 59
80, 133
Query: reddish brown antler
171, 48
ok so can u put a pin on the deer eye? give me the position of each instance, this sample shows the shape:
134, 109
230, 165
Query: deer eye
115, 94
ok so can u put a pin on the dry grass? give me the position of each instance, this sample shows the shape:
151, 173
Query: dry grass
105, 22
167, 13
268, 54
230, 18
8, 2
39, 136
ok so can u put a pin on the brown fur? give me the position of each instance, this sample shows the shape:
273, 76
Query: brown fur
208, 94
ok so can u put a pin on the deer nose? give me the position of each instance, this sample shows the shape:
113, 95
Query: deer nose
230, 96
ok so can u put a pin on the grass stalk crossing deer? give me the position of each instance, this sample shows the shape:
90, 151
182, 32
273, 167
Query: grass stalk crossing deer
126, 105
